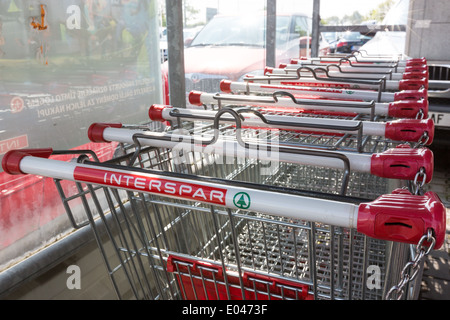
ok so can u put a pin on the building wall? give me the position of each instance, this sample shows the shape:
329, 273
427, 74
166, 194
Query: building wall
428, 30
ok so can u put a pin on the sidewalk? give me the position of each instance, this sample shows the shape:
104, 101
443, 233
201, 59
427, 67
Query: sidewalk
436, 275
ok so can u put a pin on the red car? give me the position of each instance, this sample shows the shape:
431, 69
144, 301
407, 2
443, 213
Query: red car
230, 47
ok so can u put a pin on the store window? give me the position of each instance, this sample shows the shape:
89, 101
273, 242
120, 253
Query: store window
64, 65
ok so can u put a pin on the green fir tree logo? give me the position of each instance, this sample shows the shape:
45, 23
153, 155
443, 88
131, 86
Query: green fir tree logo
242, 200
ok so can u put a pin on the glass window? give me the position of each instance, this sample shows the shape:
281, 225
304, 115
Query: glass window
64, 65
232, 30
302, 26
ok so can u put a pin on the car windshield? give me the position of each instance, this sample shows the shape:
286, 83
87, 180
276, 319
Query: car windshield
354, 36
239, 30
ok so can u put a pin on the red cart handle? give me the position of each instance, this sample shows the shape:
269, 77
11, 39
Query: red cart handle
410, 130
416, 74
411, 95
408, 108
403, 162
95, 131
416, 62
155, 112
403, 217
419, 69
413, 84
11, 160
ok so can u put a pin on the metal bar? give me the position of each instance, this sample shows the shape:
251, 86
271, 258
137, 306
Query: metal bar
332, 212
315, 29
357, 101
280, 152
271, 21
177, 82
362, 28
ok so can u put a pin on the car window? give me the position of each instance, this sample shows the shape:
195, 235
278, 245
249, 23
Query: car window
302, 26
282, 34
351, 36
242, 30
232, 30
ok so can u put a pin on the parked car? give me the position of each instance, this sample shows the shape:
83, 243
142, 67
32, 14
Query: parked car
163, 44
230, 47
332, 39
189, 34
351, 41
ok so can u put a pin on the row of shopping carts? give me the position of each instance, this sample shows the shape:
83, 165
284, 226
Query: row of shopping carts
305, 183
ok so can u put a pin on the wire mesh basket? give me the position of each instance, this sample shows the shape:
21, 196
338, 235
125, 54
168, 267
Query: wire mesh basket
161, 248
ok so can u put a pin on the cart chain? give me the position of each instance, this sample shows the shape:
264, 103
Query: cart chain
423, 140
419, 183
420, 115
412, 268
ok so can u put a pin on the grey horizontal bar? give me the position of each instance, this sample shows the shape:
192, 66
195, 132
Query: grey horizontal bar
363, 28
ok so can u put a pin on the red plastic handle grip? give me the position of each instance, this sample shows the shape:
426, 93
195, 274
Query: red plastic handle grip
408, 108
416, 74
411, 95
269, 70
95, 131
403, 217
413, 84
155, 112
194, 97
411, 130
11, 160
417, 69
225, 86
416, 62
403, 163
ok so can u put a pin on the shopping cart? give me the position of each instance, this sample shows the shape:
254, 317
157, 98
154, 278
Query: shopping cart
404, 107
288, 156
362, 59
170, 235
344, 78
279, 208
341, 70
321, 77
327, 90
355, 126
404, 130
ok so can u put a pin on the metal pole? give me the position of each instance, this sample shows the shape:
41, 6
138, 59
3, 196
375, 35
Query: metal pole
315, 29
175, 48
271, 21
